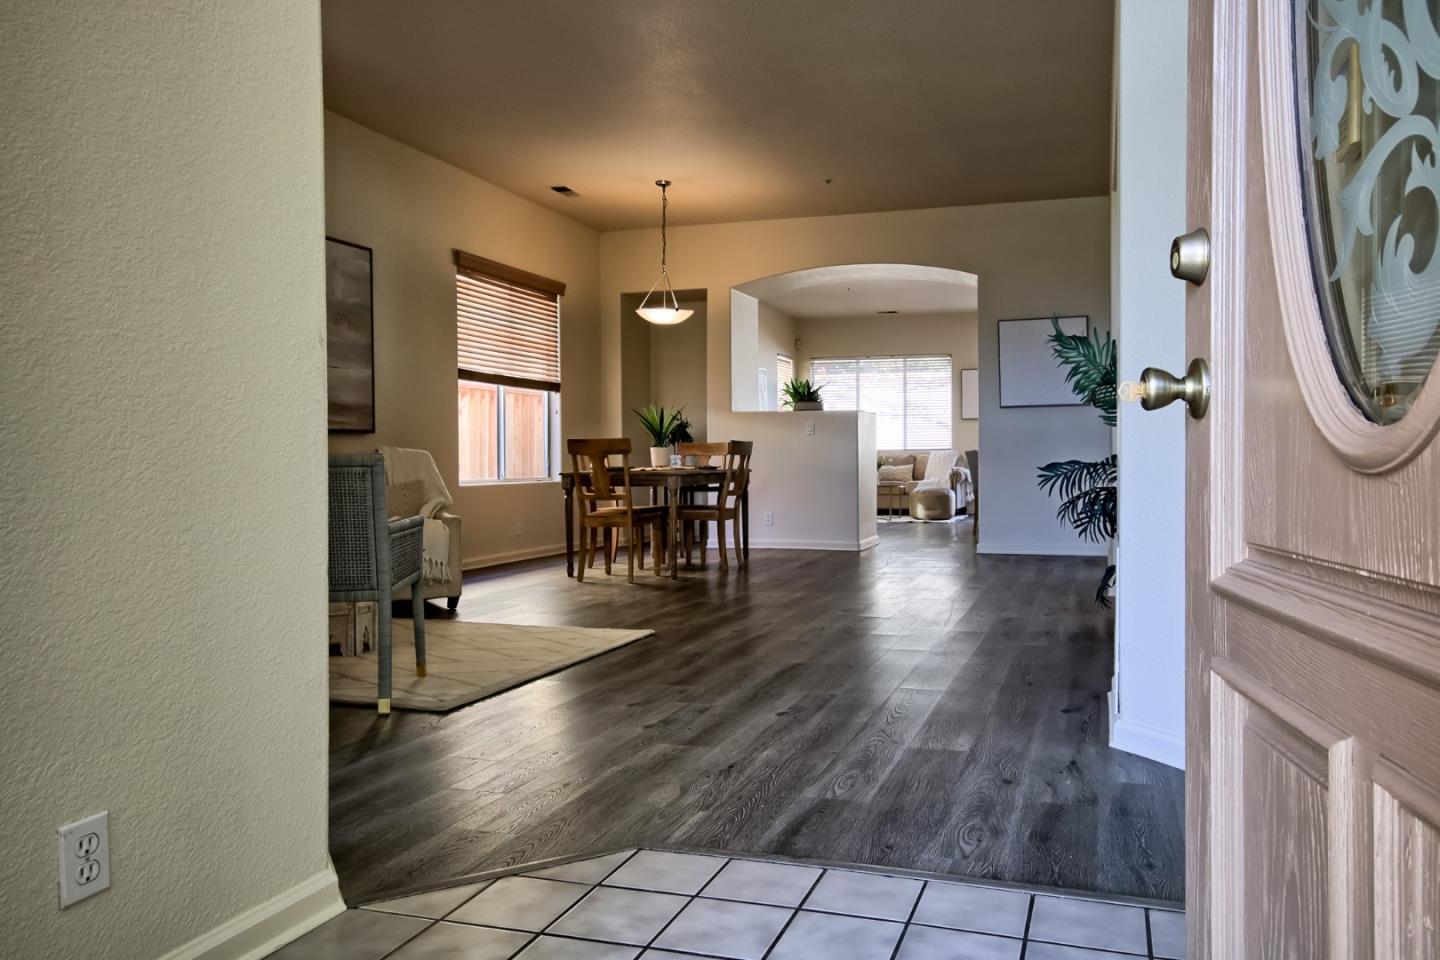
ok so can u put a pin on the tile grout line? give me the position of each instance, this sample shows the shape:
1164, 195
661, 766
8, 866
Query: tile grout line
689, 900
796, 913
905, 930
1025, 935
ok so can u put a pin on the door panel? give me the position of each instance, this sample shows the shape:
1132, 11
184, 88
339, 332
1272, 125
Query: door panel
1313, 526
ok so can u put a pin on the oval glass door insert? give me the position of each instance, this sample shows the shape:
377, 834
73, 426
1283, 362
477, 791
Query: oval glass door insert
1370, 70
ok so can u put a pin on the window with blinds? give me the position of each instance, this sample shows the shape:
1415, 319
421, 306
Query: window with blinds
910, 396
784, 373
507, 332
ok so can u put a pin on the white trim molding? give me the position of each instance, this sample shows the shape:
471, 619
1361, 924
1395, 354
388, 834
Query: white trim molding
515, 556
1162, 746
1057, 548
265, 928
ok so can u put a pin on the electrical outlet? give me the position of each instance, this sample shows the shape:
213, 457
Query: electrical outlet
769, 519
517, 528
809, 428
84, 858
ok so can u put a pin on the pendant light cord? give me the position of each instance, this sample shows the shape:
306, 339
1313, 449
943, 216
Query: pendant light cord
664, 212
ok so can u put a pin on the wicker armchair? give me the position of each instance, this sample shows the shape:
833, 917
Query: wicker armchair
371, 556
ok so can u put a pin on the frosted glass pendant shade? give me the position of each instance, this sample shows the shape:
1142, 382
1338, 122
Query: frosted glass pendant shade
664, 316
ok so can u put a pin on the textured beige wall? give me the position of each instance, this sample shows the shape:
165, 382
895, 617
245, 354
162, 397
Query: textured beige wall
413, 210
1032, 259
956, 334
777, 333
162, 404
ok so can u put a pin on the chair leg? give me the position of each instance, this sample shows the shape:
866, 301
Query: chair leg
587, 553
657, 549
452, 603
595, 535
637, 543
417, 620
720, 542
740, 560
608, 548
629, 551
382, 650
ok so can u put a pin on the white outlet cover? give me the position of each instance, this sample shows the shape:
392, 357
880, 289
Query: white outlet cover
84, 858
769, 519
810, 428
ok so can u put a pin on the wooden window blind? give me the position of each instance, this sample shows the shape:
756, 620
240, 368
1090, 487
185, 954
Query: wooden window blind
507, 324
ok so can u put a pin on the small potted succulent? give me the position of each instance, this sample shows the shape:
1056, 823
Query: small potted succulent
803, 395
665, 427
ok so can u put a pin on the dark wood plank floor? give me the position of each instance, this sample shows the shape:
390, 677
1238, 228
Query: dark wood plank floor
915, 706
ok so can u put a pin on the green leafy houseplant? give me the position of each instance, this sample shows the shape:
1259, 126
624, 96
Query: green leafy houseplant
665, 426
799, 392
1087, 488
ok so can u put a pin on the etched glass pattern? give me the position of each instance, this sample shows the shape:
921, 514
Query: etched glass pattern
1371, 72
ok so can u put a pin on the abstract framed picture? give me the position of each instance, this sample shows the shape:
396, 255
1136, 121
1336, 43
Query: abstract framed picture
350, 336
1030, 376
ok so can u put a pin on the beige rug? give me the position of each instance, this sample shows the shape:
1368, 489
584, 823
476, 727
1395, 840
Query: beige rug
469, 661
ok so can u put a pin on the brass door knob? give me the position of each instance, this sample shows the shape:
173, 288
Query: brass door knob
1160, 389
1190, 256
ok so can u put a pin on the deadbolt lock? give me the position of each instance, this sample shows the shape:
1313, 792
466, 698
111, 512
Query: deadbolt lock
1160, 389
1190, 256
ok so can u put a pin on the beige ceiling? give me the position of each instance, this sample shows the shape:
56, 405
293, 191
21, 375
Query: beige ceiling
749, 106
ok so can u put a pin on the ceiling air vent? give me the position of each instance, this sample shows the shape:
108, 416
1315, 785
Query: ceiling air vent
565, 191
886, 312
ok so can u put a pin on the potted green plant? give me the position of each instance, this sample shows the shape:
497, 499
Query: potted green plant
1087, 488
803, 395
661, 423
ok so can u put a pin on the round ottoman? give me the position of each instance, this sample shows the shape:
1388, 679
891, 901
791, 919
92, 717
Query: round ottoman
932, 503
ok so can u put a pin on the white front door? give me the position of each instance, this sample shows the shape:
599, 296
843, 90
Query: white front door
1313, 518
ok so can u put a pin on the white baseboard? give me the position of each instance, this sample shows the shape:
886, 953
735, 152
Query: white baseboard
263, 929
850, 545
512, 556
869, 542
1143, 740
1030, 548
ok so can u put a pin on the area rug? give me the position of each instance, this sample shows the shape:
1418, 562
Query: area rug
469, 661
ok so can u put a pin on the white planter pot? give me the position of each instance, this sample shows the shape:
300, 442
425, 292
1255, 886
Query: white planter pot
659, 456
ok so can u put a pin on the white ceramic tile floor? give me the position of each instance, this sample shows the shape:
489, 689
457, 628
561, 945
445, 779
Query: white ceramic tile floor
658, 905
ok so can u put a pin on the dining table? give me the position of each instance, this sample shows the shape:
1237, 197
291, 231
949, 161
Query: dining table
675, 482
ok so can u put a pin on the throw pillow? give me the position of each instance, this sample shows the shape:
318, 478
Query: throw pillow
896, 459
405, 499
897, 471
920, 463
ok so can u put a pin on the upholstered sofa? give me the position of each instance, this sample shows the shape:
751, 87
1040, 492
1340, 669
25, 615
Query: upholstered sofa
921, 504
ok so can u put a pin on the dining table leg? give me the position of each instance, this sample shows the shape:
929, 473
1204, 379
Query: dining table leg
568, 485
672, 490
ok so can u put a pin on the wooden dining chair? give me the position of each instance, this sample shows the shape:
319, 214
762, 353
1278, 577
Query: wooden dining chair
608, 506
736, 463
693, 533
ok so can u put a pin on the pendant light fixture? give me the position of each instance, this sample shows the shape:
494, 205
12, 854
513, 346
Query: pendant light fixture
665, 313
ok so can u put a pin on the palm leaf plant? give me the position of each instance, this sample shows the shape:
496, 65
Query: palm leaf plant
1087, 488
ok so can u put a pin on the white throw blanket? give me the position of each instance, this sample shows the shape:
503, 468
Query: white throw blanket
938, 467
403, 465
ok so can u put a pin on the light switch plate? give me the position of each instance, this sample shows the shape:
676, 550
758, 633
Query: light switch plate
84, 858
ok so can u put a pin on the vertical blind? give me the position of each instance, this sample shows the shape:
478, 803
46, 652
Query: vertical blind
910, 396
507, 324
